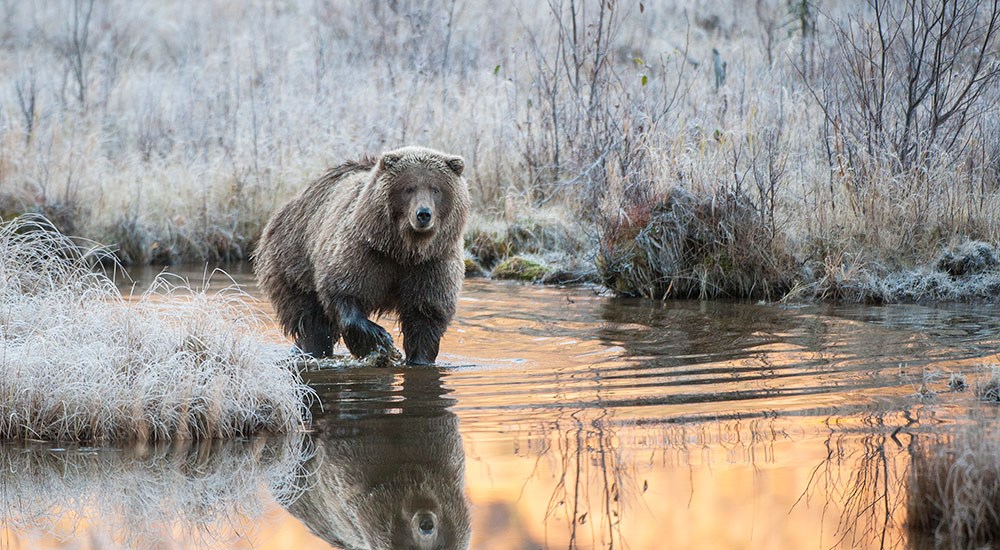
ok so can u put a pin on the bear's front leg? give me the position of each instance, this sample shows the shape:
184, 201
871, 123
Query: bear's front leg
315, 335
422, 333
428, 297
360, 335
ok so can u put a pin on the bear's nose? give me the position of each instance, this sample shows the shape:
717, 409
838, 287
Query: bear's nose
424, 216
426, 523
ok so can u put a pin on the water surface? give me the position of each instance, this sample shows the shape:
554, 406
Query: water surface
561, 418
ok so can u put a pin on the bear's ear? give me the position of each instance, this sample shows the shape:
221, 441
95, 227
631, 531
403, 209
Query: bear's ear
456, 164
388, 161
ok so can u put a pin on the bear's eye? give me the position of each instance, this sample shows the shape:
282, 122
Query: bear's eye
409, 189
436, 190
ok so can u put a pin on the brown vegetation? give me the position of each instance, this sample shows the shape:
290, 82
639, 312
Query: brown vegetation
689, 247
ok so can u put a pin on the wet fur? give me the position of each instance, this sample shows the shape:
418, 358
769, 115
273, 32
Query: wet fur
342, 251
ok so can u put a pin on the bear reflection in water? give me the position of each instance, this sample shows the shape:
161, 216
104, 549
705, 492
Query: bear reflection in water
389, 469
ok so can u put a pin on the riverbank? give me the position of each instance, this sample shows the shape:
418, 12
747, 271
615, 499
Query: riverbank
720, 250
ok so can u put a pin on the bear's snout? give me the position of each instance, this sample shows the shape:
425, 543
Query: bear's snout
424, 218
426, 522
425, 529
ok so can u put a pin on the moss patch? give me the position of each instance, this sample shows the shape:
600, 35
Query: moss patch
473, 269
521, 269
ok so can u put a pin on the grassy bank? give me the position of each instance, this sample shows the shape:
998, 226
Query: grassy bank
822, 149
79, 361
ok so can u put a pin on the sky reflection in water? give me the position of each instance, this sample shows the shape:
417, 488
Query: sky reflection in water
565, 419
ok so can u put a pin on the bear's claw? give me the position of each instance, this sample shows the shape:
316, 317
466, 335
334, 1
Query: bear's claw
367, 337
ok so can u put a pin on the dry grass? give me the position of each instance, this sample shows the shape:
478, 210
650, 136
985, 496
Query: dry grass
689, 247
987, 384
79, 361
174, 130
201, 494
953, 495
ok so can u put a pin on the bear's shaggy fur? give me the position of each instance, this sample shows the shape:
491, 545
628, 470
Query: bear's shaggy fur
371, 236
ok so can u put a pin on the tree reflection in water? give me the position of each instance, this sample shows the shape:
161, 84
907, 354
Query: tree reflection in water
864, 476
889, 479
589, 457
598, 472
909, 479
389, 468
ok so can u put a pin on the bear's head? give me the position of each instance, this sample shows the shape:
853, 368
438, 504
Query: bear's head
427, 197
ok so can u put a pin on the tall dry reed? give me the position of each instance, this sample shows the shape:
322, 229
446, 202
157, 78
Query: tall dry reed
953, 494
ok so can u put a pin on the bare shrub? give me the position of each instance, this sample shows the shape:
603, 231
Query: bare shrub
912, 80
81, 362
593, 100
76, 46
27, 101
907, 85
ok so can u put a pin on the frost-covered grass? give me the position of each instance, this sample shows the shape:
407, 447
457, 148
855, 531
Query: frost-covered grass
80, 361
965, 272
172, 131
165, 495
953, 494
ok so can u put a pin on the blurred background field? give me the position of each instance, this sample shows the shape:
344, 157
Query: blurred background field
818, 148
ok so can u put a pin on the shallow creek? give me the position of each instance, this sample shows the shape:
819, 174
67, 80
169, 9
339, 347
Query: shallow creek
560, 418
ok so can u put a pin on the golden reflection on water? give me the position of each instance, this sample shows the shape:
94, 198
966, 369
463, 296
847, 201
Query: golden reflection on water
590, 422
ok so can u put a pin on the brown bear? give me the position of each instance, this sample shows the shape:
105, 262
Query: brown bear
370, 237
